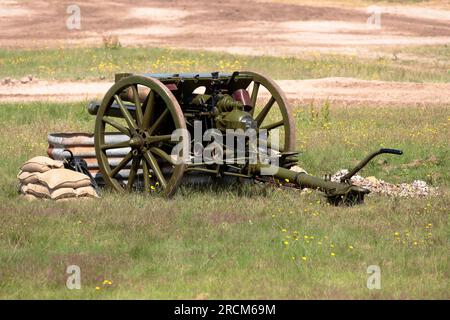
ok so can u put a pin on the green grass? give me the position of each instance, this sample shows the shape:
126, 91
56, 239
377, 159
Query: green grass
99, 63
225, 242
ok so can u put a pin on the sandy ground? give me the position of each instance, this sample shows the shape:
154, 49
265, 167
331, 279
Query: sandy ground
250, 27
339, 91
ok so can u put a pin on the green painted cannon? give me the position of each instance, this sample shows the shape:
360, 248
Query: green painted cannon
175, 125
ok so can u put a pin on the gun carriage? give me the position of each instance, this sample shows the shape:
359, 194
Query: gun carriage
158, 113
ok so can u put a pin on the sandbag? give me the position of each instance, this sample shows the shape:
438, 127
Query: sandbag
62, 193
28, 177
35, 189
64, 178
23, 189
41, 164
28, 197
73, 198
88, 191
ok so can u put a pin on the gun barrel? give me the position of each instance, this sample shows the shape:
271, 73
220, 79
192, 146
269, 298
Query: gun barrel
113, 111
93, 107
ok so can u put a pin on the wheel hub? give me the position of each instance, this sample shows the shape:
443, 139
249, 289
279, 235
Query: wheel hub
137, 141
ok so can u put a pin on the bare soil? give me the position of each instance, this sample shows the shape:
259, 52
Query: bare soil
339, 91
253, 27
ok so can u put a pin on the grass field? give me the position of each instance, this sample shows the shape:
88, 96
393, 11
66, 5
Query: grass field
229, 242
102, 63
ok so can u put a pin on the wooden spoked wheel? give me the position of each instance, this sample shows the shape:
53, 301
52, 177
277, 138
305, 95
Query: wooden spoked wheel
145, 112
271, 110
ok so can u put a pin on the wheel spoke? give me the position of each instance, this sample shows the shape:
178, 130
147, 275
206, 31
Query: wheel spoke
262, 115
121, 165
126, 114
254, 96
149, 108
162, 138
155, 167
116, 125
123, 144
273, 125
158, 121
146, 174
162, 154
133, 172
137, 103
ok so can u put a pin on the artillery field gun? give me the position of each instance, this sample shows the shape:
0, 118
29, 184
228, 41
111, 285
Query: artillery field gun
203, 124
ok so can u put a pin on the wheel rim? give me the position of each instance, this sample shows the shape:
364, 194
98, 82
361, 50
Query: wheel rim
266, 117
148, 130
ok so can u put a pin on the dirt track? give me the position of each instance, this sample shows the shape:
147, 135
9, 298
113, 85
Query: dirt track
339, 91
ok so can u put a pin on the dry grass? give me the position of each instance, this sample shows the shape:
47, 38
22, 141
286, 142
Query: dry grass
103, 63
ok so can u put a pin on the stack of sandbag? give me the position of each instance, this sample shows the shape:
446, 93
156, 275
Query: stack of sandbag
45, 178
